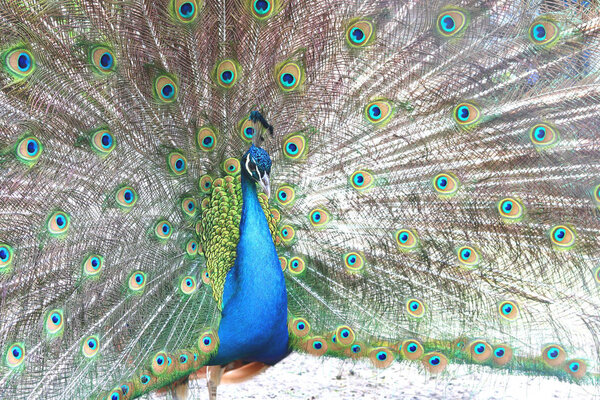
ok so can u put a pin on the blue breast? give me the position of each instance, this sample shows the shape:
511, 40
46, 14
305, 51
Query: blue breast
254, 315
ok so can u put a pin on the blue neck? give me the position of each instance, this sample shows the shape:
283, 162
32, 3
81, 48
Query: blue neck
254, 313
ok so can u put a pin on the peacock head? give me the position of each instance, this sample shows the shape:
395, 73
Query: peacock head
257, 166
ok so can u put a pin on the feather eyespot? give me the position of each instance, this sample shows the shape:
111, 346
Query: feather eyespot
283, 262
510, 209
126, 197
6, 255
231, 166
316, 346
543, 136
188, 285
543, 32
412, 350
381, 357
446, 184
177, 163
90, 346
576, 368
137, 281
15, 355
262, 9
147, 379
361, 180
188, 205
318, 217
435, 362
294, 147
19, 62
163, 230
159, 363
102, 142
206, 277
248, 129
502, 354
415, 308
297, 265
208, 342
466, 114
165, 89
191, 247
468, 256
406, 239
29, 149
299, 327
480, 351
553, 355
451, 22
227, 73
354, 262
115, 394
508, 310
275, 214
206, 138
126, 388
103, 59
185, 10
205, 183
287, 233
562, 237
379, 111
355, 351
344, 335
93, 265
289, 76
597, 274
285, 195
58, 223
360, 33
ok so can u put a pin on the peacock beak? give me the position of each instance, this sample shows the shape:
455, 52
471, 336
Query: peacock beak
265, 184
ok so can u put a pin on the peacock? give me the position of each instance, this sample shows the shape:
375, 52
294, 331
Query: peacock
195, 188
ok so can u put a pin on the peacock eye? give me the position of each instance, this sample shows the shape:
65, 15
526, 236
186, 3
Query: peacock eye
54, 322
58, 223
177, 163
508, 310
29, 150
185, 10
285, 195
207, 342
165, 88
102, 59
126, 197
19, 62
446, 184
467, 114
297, 265
406, 239
379, 111
15, 355
90, 346
294, 147
562, 237
451, 22
360, 33
163, 230
543, 32
354, 262
206, 138
188, 285
415, 308
262, 9
318, 217
553, 355
159, 363
543, 136
290, 76
6, 255
227, 73
468, 256
137, 281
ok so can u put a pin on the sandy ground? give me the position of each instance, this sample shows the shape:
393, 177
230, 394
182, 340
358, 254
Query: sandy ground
310, 378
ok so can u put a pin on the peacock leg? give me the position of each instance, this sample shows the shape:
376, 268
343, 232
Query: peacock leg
213, 379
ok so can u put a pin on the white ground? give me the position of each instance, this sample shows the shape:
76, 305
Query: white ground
309, 378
